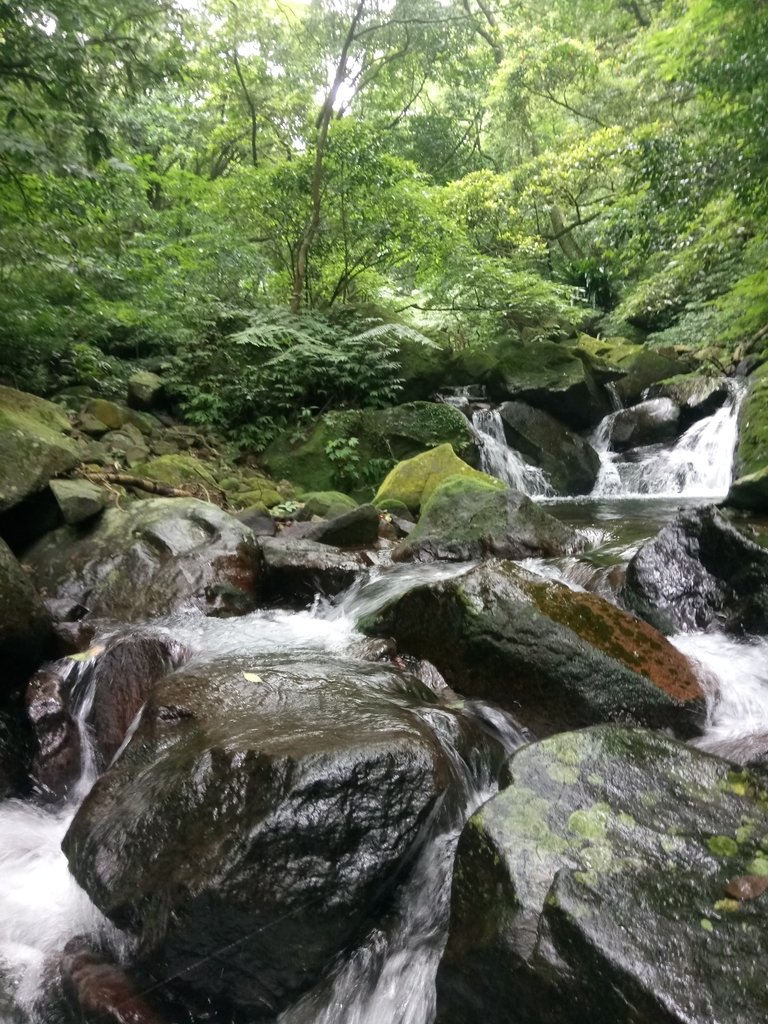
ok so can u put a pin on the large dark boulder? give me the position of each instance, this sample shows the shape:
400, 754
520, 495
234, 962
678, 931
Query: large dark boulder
600, 887
296, 570
699, 571
466, 518
695, 394
750, 485
571, 464
158, 556
643, 424
356, 528
560, 379
258, 818
106, 685
553, 657
26, 631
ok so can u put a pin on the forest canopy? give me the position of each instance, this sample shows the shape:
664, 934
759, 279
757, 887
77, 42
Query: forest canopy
268, 198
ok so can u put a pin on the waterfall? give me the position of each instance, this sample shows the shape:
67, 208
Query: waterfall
697, 465
499, 460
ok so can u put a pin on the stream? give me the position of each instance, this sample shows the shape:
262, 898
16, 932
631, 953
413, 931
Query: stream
389, 978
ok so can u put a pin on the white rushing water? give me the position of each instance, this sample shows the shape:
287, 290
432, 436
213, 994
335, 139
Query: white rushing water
499, 460
390, 978
698, 464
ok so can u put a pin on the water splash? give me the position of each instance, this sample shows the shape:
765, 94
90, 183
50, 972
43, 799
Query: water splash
699, 464
499, 460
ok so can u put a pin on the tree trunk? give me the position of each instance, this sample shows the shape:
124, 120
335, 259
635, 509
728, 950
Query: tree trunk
316, 192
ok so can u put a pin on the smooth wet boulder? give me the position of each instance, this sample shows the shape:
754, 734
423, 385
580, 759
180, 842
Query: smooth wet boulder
647, 423
571, 464
34, 446
353, 450
109, 682
700, 571
98, 989
356, 528
555, 658
598, 887
413, 481
26, 630
157, 557
468, 517
258, 820
750, 485
296, 570
697, 395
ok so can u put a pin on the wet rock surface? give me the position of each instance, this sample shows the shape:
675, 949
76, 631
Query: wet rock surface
700, 571
359, 527
297, 569
466, 519
101, 991
258, 817
555, 658
597, 887
571, 464
647, 423
26, 631
159, 556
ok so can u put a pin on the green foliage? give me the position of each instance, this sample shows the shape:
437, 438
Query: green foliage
256, 382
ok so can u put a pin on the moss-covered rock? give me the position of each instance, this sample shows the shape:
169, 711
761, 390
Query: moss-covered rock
467, 517
412, 481
558, 378
145, 390
326, 504
34, 447
112, 415
178, 471
750, 486
556, 658
596, 888
696, 394
379, 438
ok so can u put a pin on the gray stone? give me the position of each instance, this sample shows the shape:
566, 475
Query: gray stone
78, 499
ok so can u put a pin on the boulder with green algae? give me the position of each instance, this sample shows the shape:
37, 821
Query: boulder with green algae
638, 366
555, 658
145, 390
34, 447
556, 377
750, 487
112, 415
466, 517
178, 471
381, 436
597, 887
324, 503
411, 482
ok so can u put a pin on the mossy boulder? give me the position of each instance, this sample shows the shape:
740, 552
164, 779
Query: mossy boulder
750, 487
638, 366
326, 504
34, 447
696, 394
556, 377
380, 437
597, 887
178, 471
112, 415
556, 658
145, 390
467, 517
412, 481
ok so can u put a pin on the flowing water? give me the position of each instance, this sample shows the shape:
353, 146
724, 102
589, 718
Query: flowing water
499, 460
389, 979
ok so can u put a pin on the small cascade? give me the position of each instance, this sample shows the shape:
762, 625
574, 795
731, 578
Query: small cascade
697, 465
499, 460
41, 905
